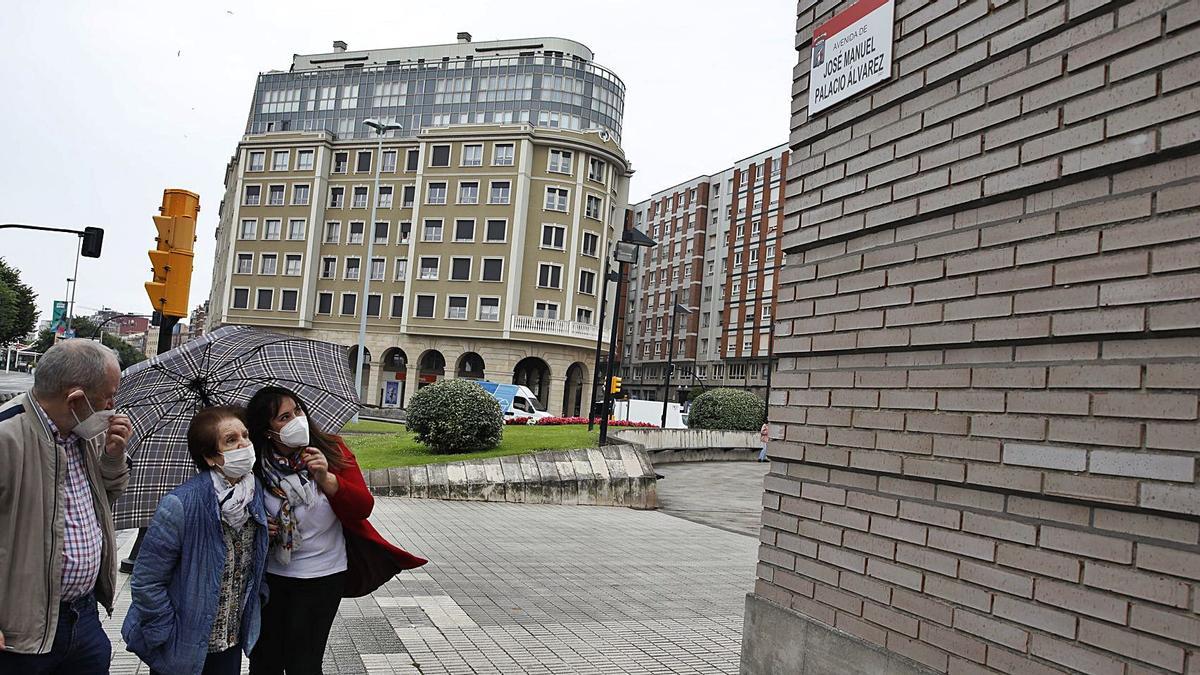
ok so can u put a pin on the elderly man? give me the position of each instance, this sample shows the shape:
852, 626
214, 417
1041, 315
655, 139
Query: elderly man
62, 464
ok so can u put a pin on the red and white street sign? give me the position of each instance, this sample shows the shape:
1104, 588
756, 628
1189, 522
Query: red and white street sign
850, 53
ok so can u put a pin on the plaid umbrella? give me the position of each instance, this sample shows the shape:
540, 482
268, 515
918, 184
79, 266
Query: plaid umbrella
224, 367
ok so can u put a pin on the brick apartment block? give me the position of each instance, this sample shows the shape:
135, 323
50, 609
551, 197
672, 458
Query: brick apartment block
984, 416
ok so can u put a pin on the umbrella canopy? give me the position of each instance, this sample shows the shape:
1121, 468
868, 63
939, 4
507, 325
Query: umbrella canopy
224, 367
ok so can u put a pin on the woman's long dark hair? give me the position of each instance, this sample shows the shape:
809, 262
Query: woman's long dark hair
262, 409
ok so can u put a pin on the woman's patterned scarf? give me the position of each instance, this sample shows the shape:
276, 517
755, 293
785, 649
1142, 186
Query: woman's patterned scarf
288, 479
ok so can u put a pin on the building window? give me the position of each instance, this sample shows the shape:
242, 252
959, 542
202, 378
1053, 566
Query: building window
382, 231
560, 161
324, 303
464, 229
583, 315
401, 269
352, 269
502, 154
291, 265
456, 307
432, 231
363, 162
280, 160
397, 306
253, 195
258, 161
360, 198
497, 231
378, 269
436, 194
374, 304
554, 236
341, 161
766, 312
296, 227
245, 264
425, 306
300, 195
770, 251
493, 269
468, 192
549, 275
596, 168
556, 199
385, 196
591, 242
328, 268
265, 298
288, 300
333, 232
587, 282
389, 161
248, 229
592, 209
410, 195
500, 192
460, 269
271, 229
349, 302
241, 298
304, 160
546, 310
440, 156
429, 267
275, 195
412, 160
356, 232
405, 230
489, 309
337, 197
472, 155
390, 94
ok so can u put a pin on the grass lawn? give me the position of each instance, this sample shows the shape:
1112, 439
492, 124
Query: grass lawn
381, 444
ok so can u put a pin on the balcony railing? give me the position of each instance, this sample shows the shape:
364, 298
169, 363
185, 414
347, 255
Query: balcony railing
533, 324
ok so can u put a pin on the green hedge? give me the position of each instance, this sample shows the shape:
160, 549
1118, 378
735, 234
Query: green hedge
727, 409
453, 416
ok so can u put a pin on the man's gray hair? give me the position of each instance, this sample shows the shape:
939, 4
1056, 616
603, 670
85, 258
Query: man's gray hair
73, 363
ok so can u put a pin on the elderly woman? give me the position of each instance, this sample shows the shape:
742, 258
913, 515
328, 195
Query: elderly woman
197, 584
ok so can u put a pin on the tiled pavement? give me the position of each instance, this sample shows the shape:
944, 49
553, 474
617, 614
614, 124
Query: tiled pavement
522, 588
727, 495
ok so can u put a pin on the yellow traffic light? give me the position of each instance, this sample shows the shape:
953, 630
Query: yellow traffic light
615, 386
172, 257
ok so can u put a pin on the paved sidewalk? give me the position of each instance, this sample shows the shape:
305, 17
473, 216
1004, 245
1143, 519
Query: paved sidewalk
727, 495
516, 588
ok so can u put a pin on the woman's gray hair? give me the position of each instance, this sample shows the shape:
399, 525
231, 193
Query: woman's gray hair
73, 363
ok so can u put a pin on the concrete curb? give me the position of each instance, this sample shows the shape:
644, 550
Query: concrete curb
668, 446
617, 475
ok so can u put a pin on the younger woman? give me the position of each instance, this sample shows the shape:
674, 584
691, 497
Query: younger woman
324, 548
197, 582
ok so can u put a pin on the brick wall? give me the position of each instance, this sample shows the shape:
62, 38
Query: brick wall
985, 410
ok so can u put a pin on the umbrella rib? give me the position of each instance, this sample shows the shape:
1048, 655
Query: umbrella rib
161, 369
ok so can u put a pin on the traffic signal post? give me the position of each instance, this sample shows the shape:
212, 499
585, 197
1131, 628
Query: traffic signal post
172, 260
625, 252
91, 242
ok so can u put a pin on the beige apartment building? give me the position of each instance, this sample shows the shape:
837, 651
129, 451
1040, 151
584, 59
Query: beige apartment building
496, 203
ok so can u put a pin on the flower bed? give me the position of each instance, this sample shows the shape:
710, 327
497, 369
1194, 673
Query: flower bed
553, 421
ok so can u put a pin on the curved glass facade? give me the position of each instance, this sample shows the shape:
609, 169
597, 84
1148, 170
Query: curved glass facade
561, 92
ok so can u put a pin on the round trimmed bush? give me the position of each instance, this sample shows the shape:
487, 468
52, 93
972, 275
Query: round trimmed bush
734, 409
453, 416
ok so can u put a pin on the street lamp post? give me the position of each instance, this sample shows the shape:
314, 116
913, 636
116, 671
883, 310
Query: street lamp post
609, 275
676, 310
381, 129
625, 252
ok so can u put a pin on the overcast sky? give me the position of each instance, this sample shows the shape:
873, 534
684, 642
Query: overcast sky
107, 105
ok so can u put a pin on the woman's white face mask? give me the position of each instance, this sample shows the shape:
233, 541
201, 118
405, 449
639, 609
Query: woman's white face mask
238, 462
294, 434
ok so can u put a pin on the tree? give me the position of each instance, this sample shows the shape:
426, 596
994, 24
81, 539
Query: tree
84, 328
18, 305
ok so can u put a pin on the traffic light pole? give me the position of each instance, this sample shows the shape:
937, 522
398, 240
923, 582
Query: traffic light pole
612, 349
599, 340
670, 357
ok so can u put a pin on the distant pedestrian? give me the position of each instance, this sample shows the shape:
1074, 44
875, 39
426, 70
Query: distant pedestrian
764, 435
324, 548
62, 465
197, 585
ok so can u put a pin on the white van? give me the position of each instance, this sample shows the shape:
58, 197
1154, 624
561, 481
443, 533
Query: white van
516, 400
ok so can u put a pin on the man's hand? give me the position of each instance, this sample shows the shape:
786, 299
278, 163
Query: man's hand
318, 466
119, 431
